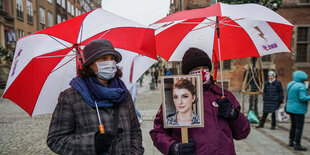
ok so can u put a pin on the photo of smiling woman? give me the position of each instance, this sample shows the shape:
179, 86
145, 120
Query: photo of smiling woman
182, 109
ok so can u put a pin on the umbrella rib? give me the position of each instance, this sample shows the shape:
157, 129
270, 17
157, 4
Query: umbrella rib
55, 56
81, 30
58, 41
103, 34
62, 65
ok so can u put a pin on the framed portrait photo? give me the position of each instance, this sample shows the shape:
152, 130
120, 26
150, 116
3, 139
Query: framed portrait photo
182, 101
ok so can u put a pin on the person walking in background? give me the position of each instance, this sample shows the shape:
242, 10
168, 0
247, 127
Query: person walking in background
296, 107
156, 76
272, 97
223, 121
141, 80
74, 125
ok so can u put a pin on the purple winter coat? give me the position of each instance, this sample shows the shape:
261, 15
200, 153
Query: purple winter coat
216, 138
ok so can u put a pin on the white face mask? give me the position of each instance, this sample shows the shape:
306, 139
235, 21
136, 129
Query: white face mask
205, 74
106, 69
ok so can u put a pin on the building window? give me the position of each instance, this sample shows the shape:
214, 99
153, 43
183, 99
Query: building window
63, 4
50, 19
50, 1
1, 4
225, 84
20, 33
42, 15
303, 1
72, 9
19, 9
303, 44
225, 64
266, 58
59, 2
68, 7
29, 12
58, 18
76, 11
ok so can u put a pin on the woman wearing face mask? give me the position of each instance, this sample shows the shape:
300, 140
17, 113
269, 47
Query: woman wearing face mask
272, 97
74, 125
222, 120
184, 96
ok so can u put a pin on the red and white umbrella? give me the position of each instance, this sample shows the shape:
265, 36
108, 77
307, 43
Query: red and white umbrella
245, 30
45, 62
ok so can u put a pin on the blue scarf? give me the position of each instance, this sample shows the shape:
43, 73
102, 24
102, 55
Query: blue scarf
93, 91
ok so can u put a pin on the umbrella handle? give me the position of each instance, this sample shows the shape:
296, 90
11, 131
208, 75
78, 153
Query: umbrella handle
101, 129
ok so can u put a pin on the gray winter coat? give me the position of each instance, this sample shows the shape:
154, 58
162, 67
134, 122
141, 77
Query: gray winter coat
74, 124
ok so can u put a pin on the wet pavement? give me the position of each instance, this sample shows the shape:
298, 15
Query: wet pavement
22, 134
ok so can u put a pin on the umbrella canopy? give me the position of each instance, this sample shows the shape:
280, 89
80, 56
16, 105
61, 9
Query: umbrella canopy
45, 62
245, 30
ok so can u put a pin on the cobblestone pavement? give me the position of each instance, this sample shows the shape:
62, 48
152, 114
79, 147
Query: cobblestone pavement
22, 134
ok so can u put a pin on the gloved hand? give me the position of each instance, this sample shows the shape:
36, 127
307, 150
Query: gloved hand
226, 109
103, 142
178, 148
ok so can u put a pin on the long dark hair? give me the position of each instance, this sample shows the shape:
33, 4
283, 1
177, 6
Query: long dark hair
86, 72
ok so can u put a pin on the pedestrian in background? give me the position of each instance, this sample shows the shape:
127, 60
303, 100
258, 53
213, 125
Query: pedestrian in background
272, 97
296, 107
223, 121
74, 125
156, 76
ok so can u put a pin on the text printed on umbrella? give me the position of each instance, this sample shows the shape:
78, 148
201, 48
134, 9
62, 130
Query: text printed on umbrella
16, 61
269, 47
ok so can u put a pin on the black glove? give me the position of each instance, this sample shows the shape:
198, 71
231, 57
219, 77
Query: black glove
178, 148
103, 142
226, 109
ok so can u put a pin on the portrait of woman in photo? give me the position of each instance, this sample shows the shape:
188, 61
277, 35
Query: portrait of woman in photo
184, 96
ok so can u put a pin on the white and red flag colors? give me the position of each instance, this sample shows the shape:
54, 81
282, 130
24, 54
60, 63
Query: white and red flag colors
224, 32
46, 61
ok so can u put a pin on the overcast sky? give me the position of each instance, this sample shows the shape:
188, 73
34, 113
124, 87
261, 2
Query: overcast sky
142, 11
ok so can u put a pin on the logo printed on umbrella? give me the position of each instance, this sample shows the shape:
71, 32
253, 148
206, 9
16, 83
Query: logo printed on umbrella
269, 47
16, 58
261, 34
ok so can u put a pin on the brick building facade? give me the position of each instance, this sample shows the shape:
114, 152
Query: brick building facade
22, 17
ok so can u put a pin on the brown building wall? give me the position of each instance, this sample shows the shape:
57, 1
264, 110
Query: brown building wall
298, 15
48, 7
6, 22
23, 24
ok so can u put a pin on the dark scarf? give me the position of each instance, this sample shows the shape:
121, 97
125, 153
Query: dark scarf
93, 91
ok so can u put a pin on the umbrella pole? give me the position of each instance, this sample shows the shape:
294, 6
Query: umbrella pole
220, 58
101, 127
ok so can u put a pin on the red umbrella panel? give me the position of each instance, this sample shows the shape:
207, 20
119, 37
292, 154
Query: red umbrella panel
45, 62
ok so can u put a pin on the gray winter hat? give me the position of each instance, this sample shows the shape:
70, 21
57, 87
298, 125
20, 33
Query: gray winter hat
98, 48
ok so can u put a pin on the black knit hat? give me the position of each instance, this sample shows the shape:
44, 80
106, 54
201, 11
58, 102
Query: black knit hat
98, 48
193, 58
